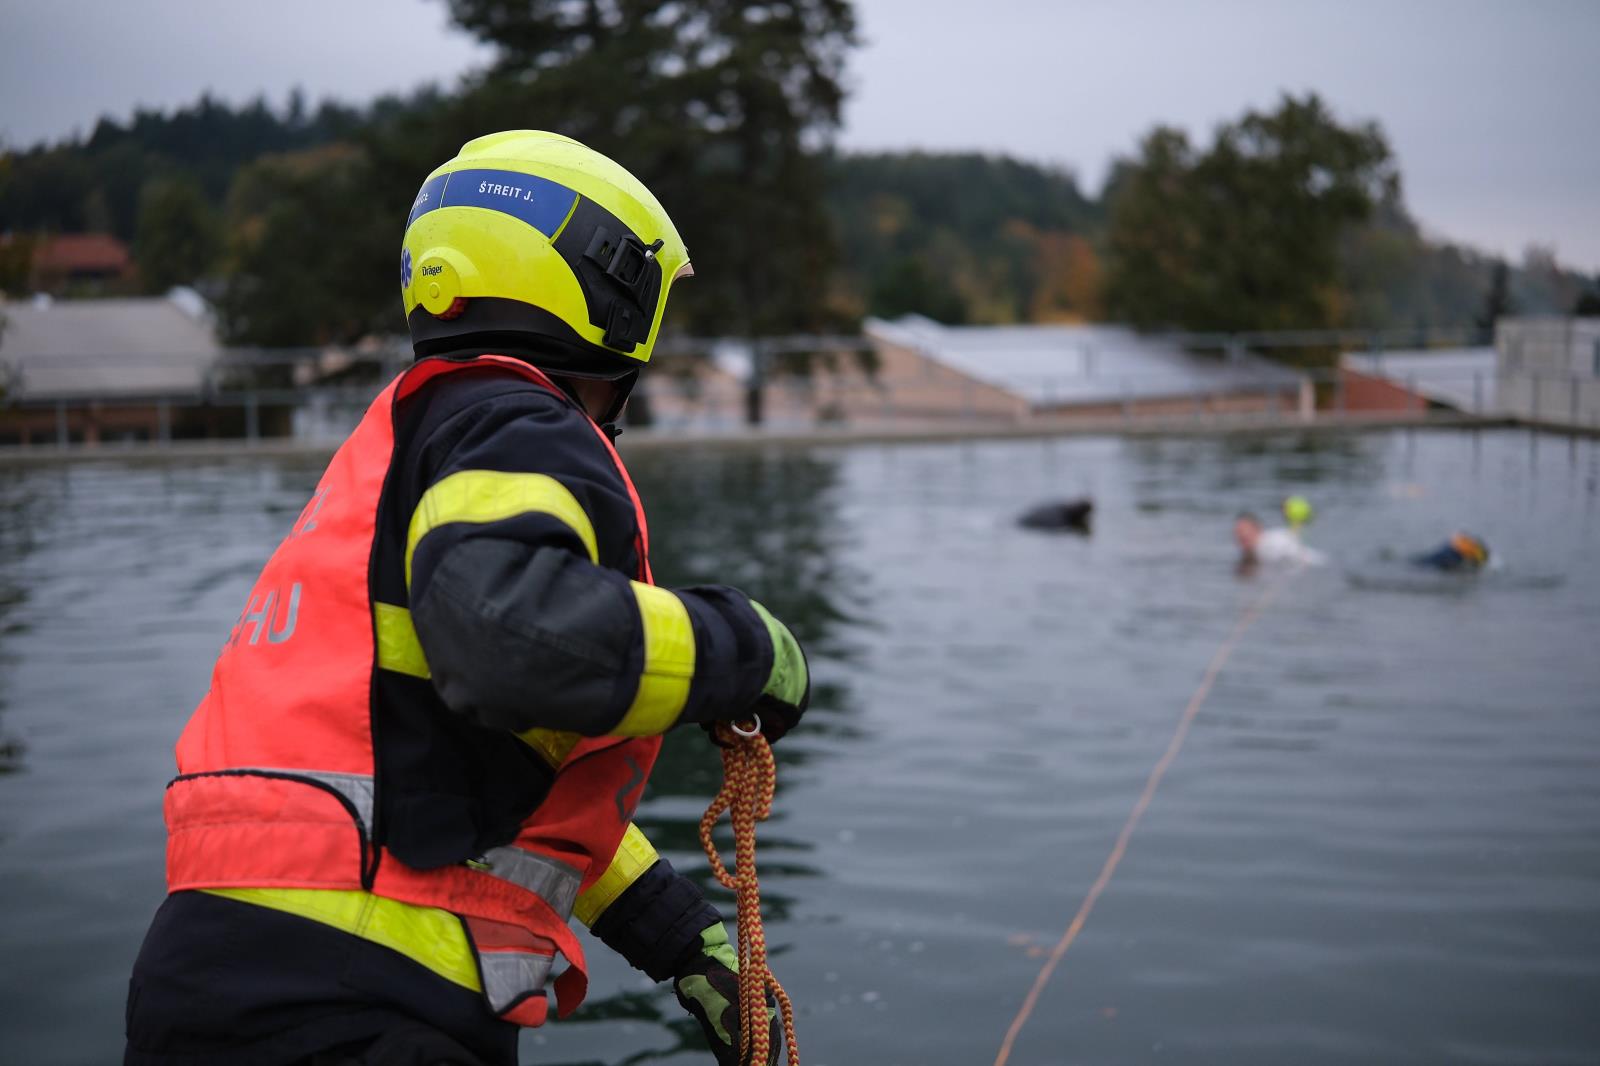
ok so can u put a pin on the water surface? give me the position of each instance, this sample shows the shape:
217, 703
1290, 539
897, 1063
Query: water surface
1380, 844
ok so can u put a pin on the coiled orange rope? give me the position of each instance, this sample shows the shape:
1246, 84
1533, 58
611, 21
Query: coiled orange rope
749, 777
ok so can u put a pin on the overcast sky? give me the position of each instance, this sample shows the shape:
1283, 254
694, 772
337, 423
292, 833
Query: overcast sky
1493, 108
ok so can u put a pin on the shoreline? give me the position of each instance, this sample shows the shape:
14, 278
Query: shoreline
642, 440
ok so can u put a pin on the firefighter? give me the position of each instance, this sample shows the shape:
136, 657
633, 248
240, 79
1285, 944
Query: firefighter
426, 734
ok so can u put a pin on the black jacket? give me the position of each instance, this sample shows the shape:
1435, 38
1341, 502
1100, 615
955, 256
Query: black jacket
520, 630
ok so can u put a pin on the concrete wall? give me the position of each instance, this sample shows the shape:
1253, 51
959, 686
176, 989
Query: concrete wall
1548, 369
904, 387
1285, 403
907, 385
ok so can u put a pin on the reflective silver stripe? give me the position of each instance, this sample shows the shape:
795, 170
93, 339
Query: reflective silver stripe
551, 879
357, 788
510, 975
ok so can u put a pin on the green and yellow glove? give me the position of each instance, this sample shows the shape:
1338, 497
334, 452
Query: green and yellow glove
788, 689
707, 986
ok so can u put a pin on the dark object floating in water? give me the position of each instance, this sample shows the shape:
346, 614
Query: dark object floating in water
1071, 516
11, 752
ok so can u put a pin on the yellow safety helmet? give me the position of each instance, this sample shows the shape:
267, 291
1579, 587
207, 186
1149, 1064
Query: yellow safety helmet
531, 244
1297, 511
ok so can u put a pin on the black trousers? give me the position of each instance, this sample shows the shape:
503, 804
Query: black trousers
223, 983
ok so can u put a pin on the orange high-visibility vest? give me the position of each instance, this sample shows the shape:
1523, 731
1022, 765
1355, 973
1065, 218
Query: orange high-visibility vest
277, 784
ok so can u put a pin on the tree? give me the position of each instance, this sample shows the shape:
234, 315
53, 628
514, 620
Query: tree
1067, 285
1245, 235
1001, 239
179, 236
305, 265
1588, 300
909, 287
16, 263
722, 110
1497, 301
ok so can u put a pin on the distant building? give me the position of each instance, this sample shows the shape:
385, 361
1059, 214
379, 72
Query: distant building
1549, 369
1394, 382
78, 260
1067, 371
914, 370
118, 369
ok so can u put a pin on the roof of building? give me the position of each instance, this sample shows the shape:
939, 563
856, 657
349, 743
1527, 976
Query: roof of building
1073, 365
81, 253
81, 349
1463, 378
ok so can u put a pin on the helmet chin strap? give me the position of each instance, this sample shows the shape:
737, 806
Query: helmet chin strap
624, 386
621, 389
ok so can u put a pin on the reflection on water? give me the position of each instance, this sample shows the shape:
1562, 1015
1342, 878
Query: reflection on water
781, 545
1377, 845
20, 515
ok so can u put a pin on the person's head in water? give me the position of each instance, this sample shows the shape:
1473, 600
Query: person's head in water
1247, 532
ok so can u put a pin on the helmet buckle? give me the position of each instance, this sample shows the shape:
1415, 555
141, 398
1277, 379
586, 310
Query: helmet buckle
619, 327
624, 258
630, 266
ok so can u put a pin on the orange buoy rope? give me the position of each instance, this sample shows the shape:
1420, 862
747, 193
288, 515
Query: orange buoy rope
1246, 618
749, 777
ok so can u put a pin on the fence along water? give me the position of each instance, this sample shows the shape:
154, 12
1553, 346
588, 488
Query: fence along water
825, 383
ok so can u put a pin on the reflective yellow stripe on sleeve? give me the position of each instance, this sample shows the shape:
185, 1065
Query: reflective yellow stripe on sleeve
634, 856
427, 935
668, 663
400, 651
481, 496
398, 647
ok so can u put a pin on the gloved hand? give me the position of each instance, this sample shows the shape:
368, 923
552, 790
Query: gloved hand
707, 986
788, 688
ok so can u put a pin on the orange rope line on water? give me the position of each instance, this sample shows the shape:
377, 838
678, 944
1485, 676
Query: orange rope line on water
1246, 619
749, 777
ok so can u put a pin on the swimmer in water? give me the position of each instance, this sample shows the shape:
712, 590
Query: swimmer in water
1462, 553
1278, 545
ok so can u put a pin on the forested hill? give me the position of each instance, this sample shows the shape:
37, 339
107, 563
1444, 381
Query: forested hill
961, 237
93, 184
964, 237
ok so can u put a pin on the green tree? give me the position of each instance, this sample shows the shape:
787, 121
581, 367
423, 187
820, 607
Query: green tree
986, 232
179, 235
909, 287
1497, 301
1246, 234
1588, 301
306, 263
721, 109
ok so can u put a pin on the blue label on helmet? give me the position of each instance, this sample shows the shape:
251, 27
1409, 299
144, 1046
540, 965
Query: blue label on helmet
428, 198
540, 202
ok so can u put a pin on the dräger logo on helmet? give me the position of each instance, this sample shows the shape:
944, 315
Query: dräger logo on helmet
431, 270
